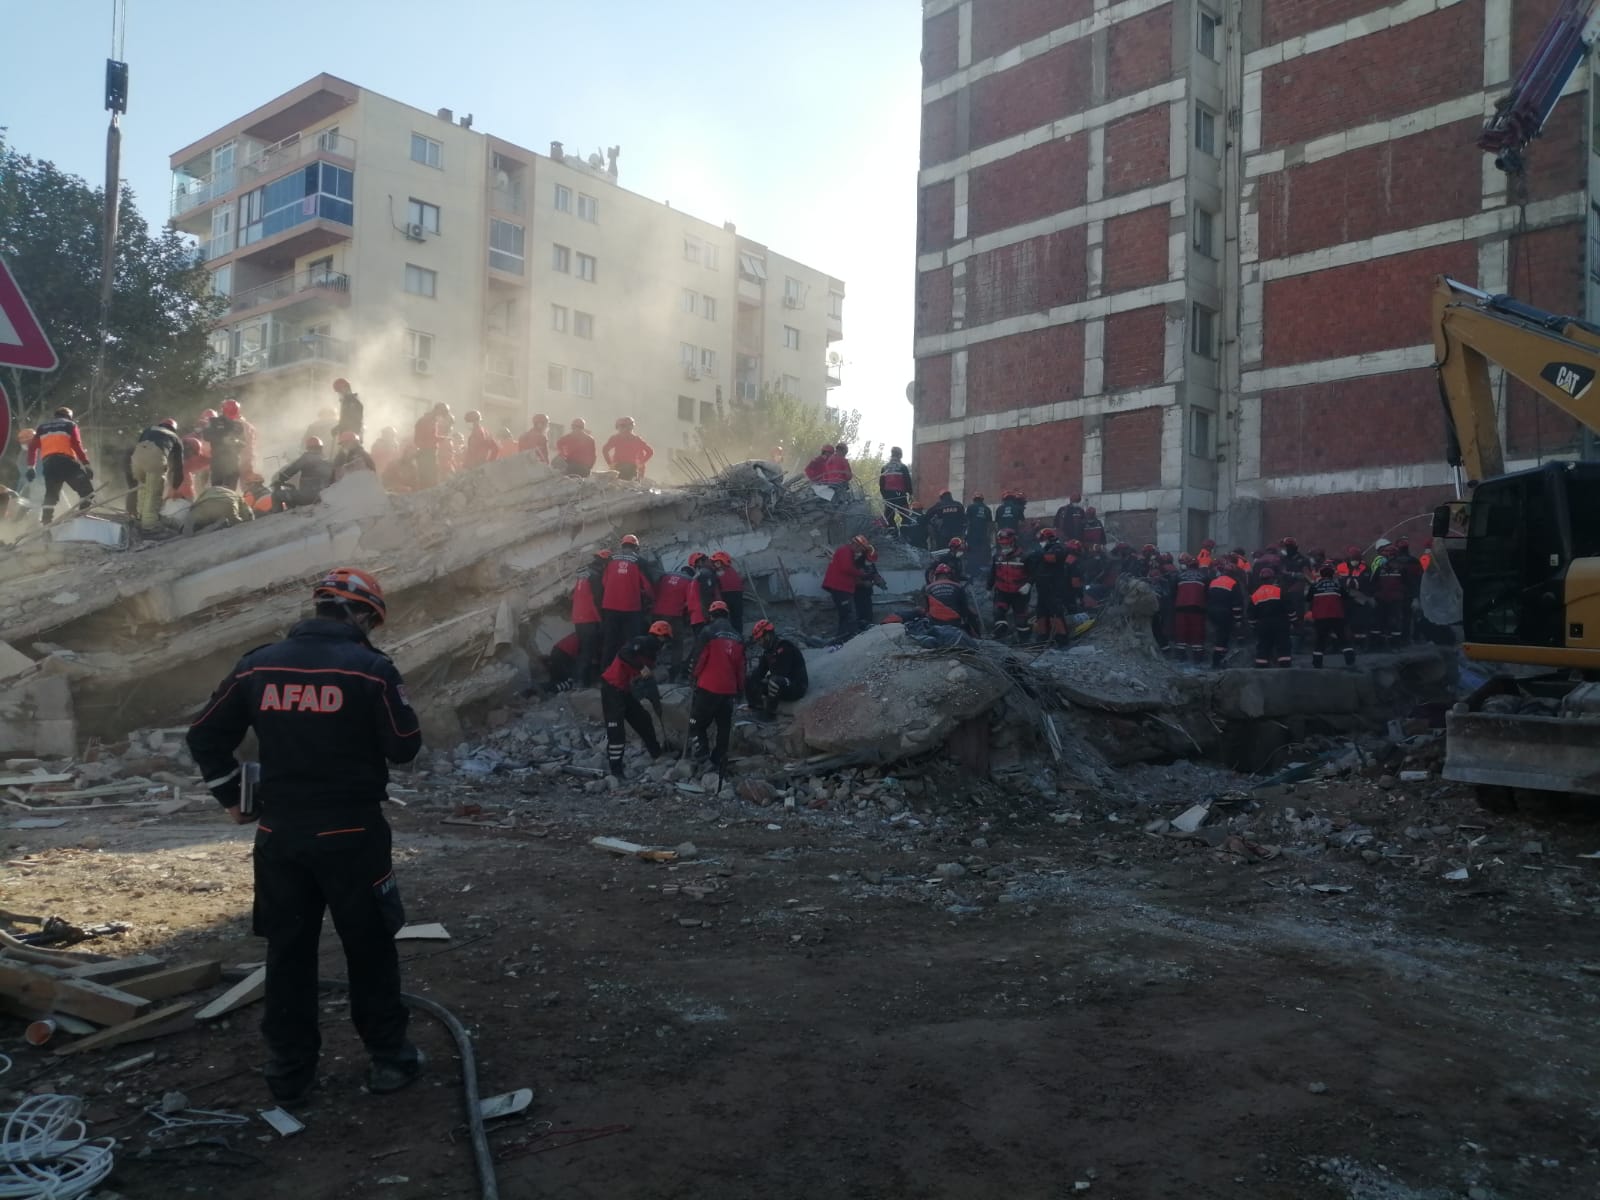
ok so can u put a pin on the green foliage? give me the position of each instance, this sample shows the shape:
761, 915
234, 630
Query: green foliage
156, 360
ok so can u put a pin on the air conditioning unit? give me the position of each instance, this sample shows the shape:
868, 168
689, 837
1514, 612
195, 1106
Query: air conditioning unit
691, 372
415, 232
421, 366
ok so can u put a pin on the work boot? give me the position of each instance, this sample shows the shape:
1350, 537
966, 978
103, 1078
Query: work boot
288, 1082
391, 1074
1316, 660
1217, 659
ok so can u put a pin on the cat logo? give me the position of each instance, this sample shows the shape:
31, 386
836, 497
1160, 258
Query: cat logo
302, 697
1571, 378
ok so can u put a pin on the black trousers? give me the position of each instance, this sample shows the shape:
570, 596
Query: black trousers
766, 693
863, 606
1333, 634
341, 865
575, 470
63, 470
589, 666
706, 709
616, 628
844, 607
617, 706
1221, 635
626, 470
1393, 619
1272, 644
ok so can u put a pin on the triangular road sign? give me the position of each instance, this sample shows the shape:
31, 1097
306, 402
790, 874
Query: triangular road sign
22, 341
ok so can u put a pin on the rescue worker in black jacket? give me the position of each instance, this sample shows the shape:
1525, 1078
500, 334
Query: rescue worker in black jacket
980, 533
1011, 511
946, 519
351, 456
1328, 616
311, 473
894, 486
946, 602
156, 467
1049, 573
953, 556
1224, 610
780, 672
329, 712
1270, 613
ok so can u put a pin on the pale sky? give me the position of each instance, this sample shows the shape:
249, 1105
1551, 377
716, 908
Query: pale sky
797, 121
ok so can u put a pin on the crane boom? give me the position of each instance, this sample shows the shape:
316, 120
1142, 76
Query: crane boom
1520, 114
1557, 356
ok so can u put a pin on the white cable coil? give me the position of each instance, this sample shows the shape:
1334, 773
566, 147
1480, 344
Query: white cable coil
45, 1153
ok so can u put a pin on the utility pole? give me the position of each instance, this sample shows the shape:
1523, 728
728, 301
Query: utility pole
116, 99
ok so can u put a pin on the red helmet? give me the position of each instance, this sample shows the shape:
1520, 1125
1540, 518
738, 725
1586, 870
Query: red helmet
579, 424
208, 414
1288, 543
313, 443
660, 629
191, 445
624, 422
341, 385
957, 544
1089, 512
1047, 535
602, 554
1006, 537
1326, 570
231, 410
1186, 560
540, 420
630, 539
1352, 551
1074, 544
860, 542
1149, 548
942, 571
828, 449
697, 558
349, 438
1166, 560
762, 629
354, 587
167, 423
718, 606
473, 416
1266, 573
723, 558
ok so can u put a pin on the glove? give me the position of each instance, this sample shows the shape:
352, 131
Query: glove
30, 475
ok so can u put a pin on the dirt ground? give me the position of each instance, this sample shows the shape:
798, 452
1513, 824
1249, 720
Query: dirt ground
961, 998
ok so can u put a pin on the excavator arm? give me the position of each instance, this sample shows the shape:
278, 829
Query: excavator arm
1520, 114
1558, 357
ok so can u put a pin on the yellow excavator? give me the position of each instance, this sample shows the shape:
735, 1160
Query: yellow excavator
1519, 569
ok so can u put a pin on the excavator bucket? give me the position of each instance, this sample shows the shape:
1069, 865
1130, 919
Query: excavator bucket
1517, 750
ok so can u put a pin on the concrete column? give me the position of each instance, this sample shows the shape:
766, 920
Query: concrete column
958, 386
1094, 357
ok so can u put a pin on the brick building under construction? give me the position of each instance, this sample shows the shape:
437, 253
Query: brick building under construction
1177, 254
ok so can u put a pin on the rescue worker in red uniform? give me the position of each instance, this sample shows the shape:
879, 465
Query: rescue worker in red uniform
1392, 608
1008, 576
576, 448
1411, 571
625, 596
780, 672
718, 682
626, 452
836, 471
1094, 529
386, 450
561, 665
481, 446
846, 570
705, 590
1204, 560
1328, 616
428, 438
56, 452
1189, 610
636, 660
818, 465
1225, 609
730, 586
233, 442
894, 486
329, 713
945, 602
196, 467
953, 556
537, 438
586, 594
1270, 614
1047, 570
676, 594
1069, 520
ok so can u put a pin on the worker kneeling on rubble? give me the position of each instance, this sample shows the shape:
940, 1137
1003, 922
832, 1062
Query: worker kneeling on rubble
302, 481
635, 661
329, 712
780, 672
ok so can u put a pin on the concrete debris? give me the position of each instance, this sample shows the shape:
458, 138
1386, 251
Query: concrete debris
1192, 818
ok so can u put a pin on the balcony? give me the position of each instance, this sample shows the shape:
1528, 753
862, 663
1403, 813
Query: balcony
330, 286
505, 387
190, 193
831, 375
308, 348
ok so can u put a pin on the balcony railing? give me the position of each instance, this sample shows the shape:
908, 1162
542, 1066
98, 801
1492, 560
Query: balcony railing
270, 159
318, 282
310, 347
197, 192
832, 375
507, 387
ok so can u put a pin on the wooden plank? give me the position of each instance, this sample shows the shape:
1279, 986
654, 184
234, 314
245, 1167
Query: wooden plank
159, 1023
247, 991
18, 780
98, 1003
114, 969
174, 981
32, 985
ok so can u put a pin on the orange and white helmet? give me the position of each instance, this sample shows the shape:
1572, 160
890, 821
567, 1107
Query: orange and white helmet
354, 587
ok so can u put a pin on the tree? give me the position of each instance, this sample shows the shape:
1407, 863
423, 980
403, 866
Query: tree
777, 421
157, 346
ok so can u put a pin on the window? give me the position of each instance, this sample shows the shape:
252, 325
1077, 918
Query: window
222, 281
1205, 232
791, 338
420, 212
792, 295
708, 412
1207, 36
583, 382
426, 151
791, 385
586, 267
688, 300
561, 259
556, 378
588, 208
836, 305
505, 246
319, 272
1205, 130
712, 256
563, 198
1199, 433
328, 139
685, 408
583, 325
691, 249
708, 362
687, 354
1203, 321
752, 267
558, 317
419, 349
708, 307
420, 281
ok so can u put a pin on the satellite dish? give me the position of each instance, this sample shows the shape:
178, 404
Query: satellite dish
834, 358
596, 161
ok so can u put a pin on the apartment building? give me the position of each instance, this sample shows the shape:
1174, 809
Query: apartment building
1176, 254
426, 261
